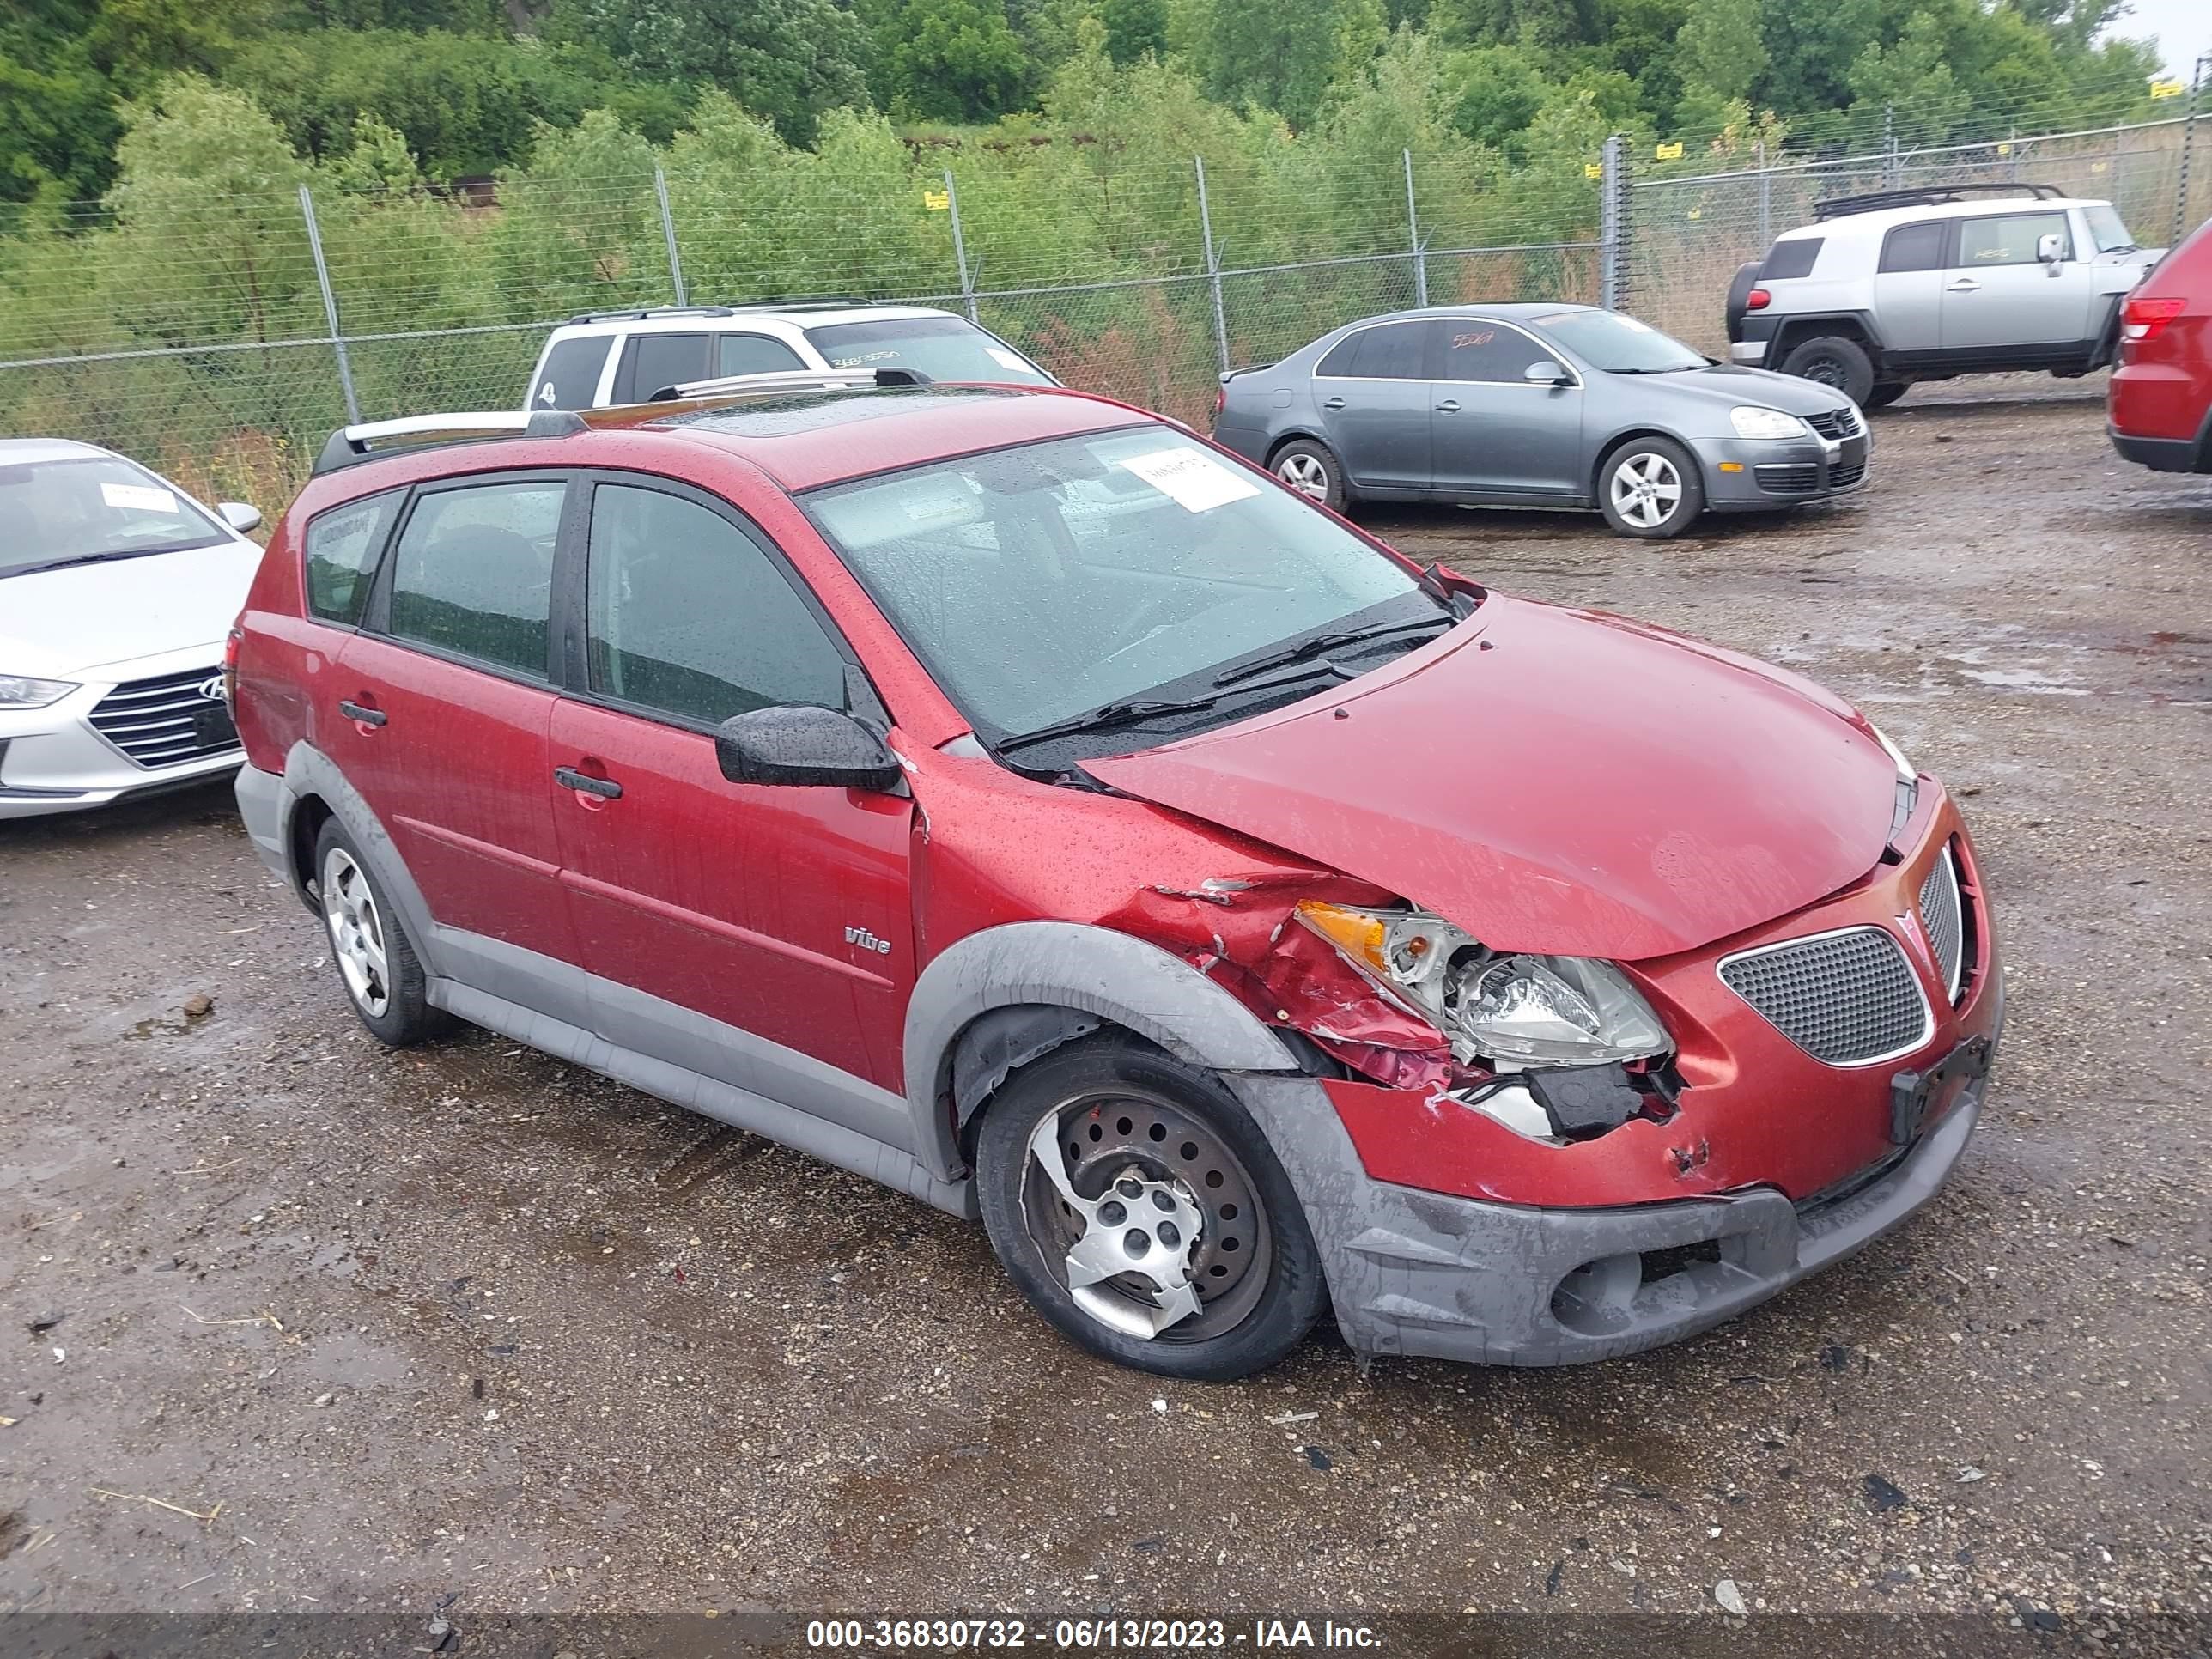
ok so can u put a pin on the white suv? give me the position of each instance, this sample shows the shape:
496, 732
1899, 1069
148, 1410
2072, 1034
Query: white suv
1907, 285
605, 358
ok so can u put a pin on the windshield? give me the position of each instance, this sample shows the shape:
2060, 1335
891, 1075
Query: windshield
65, 510
2107, 230
1044, 581
1617, 344
943, 348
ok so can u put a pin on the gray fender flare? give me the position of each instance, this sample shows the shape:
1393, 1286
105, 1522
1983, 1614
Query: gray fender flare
308, 771
1094, 971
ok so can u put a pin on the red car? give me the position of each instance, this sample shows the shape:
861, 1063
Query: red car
2158, 410
1013, 798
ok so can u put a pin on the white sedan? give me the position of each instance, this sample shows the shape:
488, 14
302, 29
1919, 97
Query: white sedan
117, 593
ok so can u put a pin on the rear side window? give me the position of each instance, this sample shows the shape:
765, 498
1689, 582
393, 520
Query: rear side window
570, 379
1914, 247
2010, 238
1794, 258
753, 354
1395, 351
689, 615
472, 573
654, 362
342, 547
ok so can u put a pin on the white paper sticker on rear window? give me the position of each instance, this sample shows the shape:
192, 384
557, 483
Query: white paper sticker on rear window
1190, 477
139, 498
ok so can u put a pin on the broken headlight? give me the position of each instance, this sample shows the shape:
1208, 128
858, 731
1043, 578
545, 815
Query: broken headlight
1520, 1009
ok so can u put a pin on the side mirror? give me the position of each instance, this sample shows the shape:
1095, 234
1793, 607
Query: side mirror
239, 517
1547, 372
2049, 248
801, 744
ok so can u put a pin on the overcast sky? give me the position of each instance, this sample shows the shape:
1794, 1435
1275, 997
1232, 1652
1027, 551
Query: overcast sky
2183, 29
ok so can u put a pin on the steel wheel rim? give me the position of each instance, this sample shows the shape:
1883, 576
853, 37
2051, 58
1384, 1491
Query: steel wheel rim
1305, 474
1646, 490
1082, 1160
1826, 371
357, 926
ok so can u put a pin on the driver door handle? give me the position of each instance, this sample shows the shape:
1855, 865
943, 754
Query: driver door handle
569, 778
1334, 403
1449, 406
354, 711
1965, 285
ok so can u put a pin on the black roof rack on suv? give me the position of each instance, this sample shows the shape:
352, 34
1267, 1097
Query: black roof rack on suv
804, 302
640, 314
1928, 196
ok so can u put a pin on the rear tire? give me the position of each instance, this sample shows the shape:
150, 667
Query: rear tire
1224, 1281
1831, 360
1886, 394
1651, 488
381, 975
1313, 471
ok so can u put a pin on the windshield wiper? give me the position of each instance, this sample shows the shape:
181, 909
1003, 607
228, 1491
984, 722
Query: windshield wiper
87, 558
1108, 714
1319, 644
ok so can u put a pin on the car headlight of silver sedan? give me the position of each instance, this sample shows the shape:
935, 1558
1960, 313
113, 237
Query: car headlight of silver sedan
20, 691
1751, 421
1523, 1010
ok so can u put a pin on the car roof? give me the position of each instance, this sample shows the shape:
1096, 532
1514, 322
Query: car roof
1509, 311
722, 320
1981, 207
24, 452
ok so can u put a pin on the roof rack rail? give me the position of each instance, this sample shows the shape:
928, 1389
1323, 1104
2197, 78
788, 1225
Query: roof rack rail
1926, 196
638, 314
349, 445
791, 379
804, 302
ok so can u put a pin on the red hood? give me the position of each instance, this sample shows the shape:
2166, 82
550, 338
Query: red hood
1555, 781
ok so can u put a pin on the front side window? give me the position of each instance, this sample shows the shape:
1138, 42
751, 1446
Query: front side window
1475, 349
570, 377
1048, 580
472, 573
87, 510
341, 545
688, 616
1915, 247
2108, 231
2010, 238
943, 348
1619, 344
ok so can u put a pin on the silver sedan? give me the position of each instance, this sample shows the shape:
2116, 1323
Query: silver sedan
1540, 406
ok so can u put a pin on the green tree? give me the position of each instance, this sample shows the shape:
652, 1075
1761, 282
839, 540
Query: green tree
1720, 49
1912, 80
1278, 57
949, 60
1134, 28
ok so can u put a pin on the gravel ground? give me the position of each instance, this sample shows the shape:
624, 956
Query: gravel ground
466, 1322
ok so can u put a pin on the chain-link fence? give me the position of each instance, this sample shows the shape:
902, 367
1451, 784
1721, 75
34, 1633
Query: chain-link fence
222, 339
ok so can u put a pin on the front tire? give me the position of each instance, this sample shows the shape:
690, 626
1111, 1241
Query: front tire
382, 977
1831, 360
1313, 471
1651, 488
1886, 394
1136, 1205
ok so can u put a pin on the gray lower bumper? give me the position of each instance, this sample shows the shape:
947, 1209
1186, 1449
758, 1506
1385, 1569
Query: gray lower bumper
265, 804
1417, 1272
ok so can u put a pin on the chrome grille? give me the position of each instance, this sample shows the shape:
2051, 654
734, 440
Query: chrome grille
1940, 913
1848, 998
166, 721
1833, 424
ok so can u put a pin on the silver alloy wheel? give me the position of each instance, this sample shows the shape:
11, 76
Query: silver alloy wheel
1646, 489
1148, 1218
356, 927
1305, 474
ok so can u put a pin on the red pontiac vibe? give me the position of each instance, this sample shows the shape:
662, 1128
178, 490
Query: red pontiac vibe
1013, 798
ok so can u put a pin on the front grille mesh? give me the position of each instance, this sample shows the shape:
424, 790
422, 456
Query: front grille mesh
1833, 424
1940, 913
1788, 478
161, 722
1843, 474
1844, 998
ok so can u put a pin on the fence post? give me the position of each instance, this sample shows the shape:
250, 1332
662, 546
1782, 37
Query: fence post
960, 248
1890, 171
668, 233
1212, 267
329, 307
2188, 142
1611, 230
1765, 196
1413, 231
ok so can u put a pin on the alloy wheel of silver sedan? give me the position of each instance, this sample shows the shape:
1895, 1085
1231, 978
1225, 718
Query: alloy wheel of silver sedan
357, 926
1304, 473
1147, 1216
1646, 489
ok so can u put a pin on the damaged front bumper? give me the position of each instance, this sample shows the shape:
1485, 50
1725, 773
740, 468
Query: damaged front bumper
1424, 1273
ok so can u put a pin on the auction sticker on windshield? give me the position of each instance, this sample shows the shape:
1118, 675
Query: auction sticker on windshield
1194, 480
143, 498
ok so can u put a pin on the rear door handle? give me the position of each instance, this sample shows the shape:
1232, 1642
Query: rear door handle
1965, 285
367, 716
569, 778
1449, 406
1334, 403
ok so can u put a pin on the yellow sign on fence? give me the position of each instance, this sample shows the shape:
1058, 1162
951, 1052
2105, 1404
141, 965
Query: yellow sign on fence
937, 200
2167, 89
1592, 170
1669, 152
